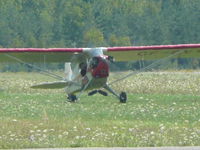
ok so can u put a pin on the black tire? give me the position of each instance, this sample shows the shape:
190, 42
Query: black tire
72, 98
103, 93
92, 93
123, 97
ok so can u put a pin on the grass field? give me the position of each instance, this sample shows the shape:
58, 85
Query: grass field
163, 109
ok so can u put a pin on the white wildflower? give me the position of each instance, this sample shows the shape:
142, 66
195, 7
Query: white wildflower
12, 135
88, 129
52, 129
83, 136
44, 136
187, 121
65, 133
142, 110
130, 129
31, 131
162, 128
32, 138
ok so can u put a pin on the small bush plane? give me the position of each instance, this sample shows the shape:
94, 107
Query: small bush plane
87, 69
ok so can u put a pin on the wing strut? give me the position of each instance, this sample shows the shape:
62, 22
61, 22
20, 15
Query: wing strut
147, 67
84, 88
44, 72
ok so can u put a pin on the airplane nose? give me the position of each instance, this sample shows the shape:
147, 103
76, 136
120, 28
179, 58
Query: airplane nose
100, 69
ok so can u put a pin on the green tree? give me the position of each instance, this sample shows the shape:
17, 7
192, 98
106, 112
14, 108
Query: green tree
119, 41
93, 37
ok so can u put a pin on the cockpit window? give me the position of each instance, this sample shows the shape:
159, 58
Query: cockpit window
83, 67
94, 62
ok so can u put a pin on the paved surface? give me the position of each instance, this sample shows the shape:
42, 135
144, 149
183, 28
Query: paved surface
122, 148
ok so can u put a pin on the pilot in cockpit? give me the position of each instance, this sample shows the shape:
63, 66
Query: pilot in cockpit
94, 62
83, 67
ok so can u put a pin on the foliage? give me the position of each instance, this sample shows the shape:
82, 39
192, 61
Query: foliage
47, 23
93, 37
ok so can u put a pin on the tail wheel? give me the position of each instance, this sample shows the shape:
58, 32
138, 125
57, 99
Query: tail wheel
123, 97
72, 98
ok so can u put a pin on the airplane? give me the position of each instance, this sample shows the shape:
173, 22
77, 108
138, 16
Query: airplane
87, 69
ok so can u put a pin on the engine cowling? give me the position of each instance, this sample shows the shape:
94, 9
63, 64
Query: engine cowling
99, 67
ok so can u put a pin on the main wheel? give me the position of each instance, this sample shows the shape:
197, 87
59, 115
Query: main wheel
72, 98
123, 97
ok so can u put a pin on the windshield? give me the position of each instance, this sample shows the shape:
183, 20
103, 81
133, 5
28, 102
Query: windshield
94, 62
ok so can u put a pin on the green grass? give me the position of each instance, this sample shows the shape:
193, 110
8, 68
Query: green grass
162, 110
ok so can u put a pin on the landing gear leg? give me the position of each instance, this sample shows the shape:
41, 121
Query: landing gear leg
72, 98
122, 97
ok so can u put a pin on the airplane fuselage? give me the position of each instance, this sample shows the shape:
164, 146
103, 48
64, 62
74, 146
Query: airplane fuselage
95, 77
99, 70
